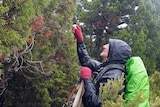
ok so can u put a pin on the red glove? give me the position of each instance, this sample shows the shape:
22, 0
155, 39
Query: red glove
77, 33
85, 72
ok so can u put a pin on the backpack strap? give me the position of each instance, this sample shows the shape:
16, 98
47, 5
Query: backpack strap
108, 67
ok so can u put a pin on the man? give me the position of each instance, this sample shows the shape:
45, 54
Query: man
115, 52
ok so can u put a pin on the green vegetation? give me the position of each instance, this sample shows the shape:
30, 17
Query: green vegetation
38, 59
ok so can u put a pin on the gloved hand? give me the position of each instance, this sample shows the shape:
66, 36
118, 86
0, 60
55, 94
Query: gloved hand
77, 33
85, 72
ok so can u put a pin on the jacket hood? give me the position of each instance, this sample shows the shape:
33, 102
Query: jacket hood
119, 51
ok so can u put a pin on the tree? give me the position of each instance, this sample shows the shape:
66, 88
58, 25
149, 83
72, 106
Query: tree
131, 21
145, 27
39, 67
15, 23
154, 93
156, 4
59, 15
13, 32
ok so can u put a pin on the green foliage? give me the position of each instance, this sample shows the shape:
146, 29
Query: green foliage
62, 46
154, 89
57, 51
101, 21
109, 93
136, 102
14, 24
141, 46
110, 97
44, 98
23, 92
119, 103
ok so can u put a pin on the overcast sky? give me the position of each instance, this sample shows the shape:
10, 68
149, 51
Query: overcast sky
89, 0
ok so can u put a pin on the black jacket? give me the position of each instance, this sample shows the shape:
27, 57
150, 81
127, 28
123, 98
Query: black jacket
119, 53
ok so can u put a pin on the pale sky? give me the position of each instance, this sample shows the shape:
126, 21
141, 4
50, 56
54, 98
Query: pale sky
89, 0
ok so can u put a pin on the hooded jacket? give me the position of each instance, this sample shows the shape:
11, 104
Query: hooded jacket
119, 53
